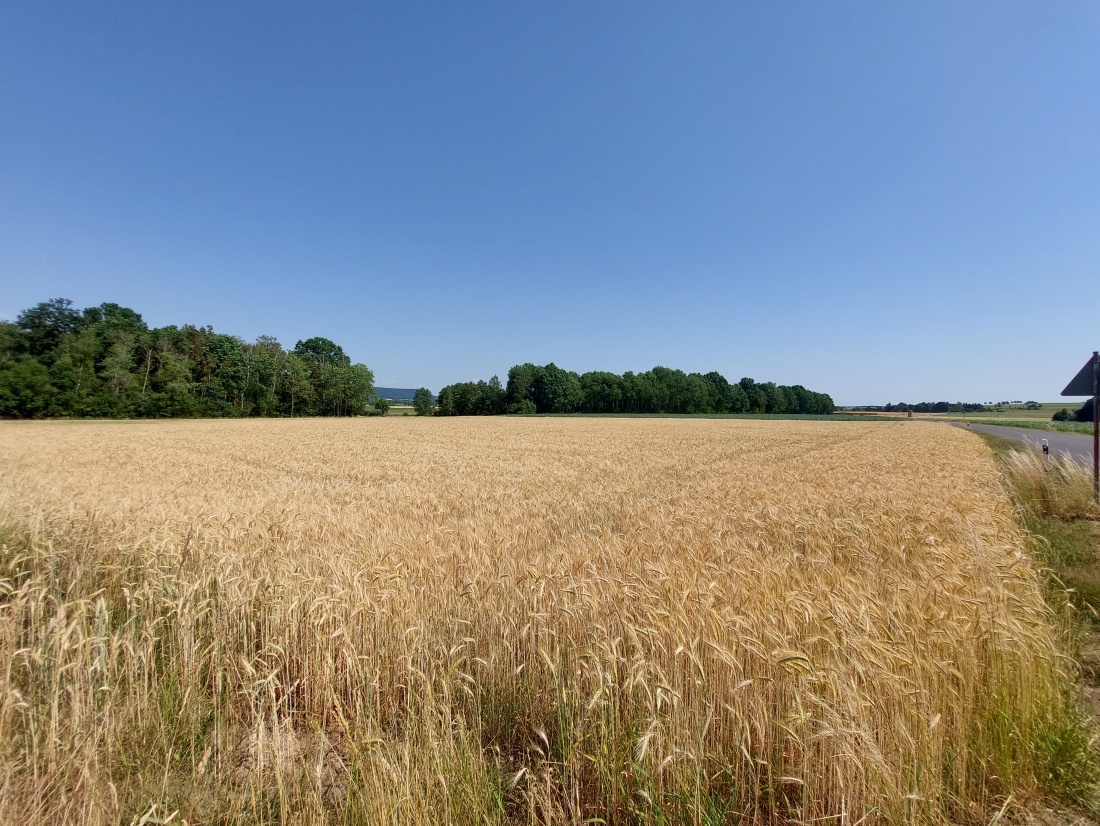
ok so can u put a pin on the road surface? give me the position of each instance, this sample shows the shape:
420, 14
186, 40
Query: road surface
1077, 445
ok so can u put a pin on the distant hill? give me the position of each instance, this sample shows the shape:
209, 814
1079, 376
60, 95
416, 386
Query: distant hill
396, 394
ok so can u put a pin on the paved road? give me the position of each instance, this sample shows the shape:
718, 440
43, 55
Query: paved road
1076, 445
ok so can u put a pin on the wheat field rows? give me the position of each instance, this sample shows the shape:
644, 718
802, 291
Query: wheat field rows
516, 621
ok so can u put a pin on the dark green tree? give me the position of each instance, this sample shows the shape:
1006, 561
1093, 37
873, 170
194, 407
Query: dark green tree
719, 393
296, 385
423, 403
521, 381
320, 352
105, 361
603, 392
352, 390
446, 401
556, 391
45, 324
25, 389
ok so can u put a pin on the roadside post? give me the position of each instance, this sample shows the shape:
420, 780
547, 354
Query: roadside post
1087, 383
1046, 451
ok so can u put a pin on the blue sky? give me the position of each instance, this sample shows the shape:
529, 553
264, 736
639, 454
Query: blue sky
883, 201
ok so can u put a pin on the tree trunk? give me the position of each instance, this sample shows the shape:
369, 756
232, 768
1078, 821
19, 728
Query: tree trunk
148, 367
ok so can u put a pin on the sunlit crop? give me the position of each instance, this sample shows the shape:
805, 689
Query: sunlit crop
516, 620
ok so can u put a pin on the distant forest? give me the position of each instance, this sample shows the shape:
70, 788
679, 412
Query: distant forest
550, 389
105, 361
932, 407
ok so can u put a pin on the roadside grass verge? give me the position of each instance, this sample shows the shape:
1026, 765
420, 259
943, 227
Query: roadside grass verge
1055, 502
1057, 427
1054, 499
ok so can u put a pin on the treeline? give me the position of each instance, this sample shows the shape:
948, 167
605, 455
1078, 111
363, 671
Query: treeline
550, 389
933, 407
1084, 413
106, 361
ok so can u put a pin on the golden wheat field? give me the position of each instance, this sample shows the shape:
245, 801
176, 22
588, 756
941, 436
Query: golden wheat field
421, 621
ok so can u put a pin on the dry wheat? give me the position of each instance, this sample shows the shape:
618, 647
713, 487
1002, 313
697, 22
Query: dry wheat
468, 621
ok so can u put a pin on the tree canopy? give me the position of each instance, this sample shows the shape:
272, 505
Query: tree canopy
930, 407
423, 402
105, 361
550, 389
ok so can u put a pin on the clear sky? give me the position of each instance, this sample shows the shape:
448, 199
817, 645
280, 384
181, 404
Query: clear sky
883, 201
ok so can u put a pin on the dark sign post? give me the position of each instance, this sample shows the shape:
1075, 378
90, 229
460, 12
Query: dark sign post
1087, 383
